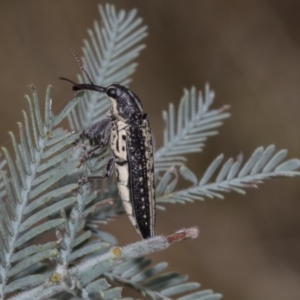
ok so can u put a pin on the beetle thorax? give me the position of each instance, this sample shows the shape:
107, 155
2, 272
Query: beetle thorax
125, 104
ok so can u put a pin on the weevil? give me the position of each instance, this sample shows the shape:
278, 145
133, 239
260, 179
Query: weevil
128, 132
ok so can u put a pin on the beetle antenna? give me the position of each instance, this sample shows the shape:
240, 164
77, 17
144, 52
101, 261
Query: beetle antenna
81, 66
66, 79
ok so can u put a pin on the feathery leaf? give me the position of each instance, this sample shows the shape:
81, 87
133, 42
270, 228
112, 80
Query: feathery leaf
25, 282
233, 176
107, 58
26, 181
195, 123
146, 279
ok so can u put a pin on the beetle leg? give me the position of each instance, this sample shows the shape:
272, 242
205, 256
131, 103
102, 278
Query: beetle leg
86, 154
95, 133
108, 172
98, 134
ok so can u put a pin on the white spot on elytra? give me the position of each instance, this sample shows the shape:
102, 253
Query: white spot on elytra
145, 216
143, 199
143, 207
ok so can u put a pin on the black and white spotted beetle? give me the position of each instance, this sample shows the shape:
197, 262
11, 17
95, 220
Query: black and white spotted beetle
127, 130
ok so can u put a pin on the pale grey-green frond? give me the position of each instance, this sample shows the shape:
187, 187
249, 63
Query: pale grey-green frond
103, 213
90, 210
27, 282
113, 293
149, 280
28, 208
101, 291
98, 285
99, 214
31, 260
233, 175
30, 250
108, 56
2, 183
88, 249
73, 235
187, 130
89, 276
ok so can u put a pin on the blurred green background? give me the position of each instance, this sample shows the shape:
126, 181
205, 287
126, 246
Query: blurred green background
249, 51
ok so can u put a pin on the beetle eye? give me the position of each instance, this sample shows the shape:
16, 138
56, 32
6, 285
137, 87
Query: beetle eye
111, 92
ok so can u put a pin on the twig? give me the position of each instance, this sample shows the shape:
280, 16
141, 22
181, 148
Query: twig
59, 281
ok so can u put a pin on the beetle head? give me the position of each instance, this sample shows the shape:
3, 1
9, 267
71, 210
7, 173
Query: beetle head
125, 104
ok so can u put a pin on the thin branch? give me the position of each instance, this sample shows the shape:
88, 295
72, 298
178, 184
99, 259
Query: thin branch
59, 281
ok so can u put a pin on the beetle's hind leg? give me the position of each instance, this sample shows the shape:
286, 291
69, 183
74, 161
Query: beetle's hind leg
87, 154
108, 172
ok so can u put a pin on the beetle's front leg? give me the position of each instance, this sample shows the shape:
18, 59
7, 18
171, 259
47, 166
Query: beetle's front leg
108, 173
98, 134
